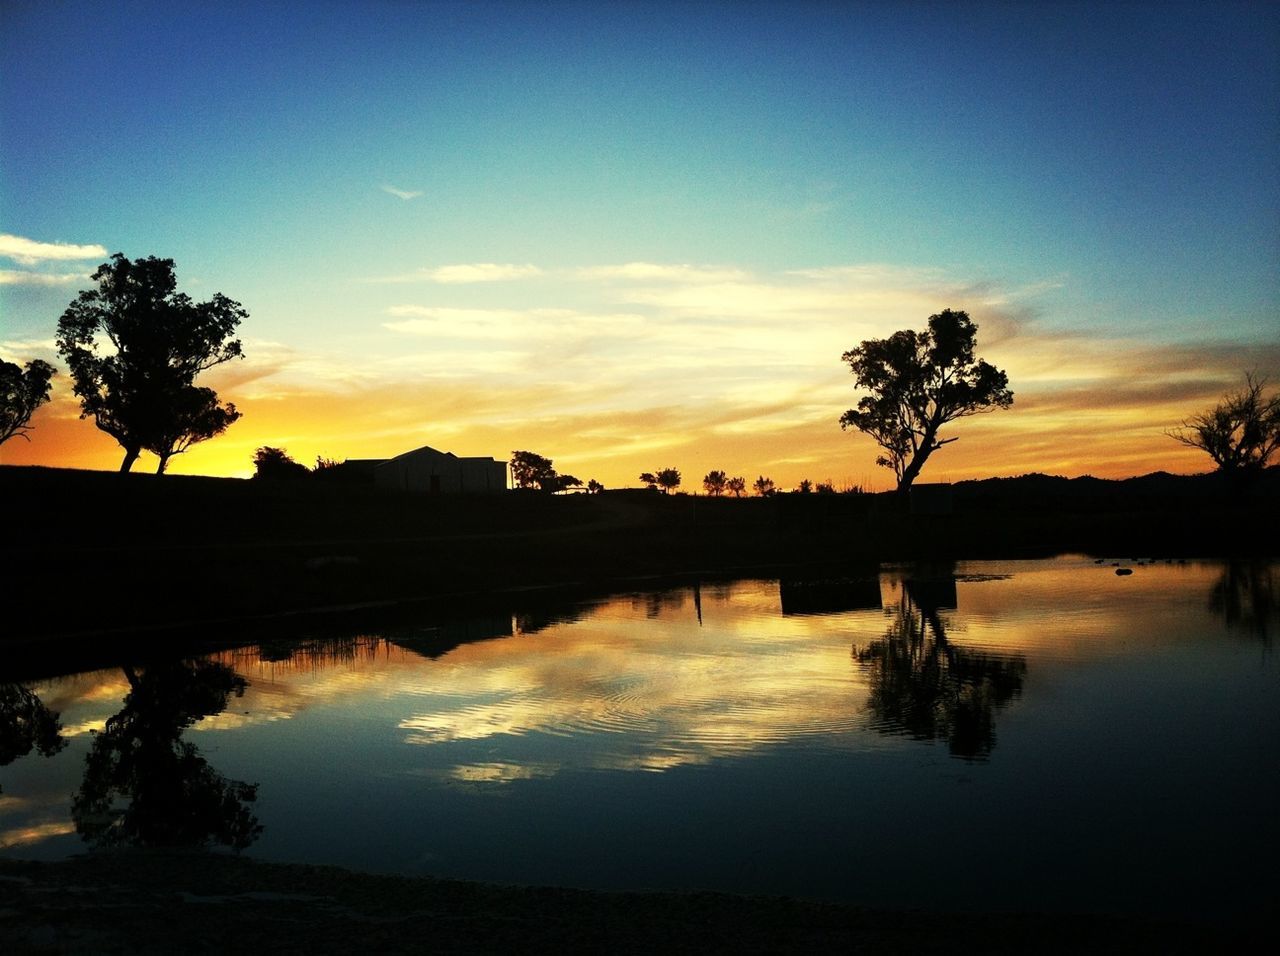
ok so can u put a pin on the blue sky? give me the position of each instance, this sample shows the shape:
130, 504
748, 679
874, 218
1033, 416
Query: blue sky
1097, 183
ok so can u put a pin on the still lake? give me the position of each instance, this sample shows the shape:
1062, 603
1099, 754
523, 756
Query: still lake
1019, 735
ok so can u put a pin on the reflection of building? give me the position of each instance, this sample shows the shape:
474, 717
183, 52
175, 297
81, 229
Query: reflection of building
829, 596
425, 469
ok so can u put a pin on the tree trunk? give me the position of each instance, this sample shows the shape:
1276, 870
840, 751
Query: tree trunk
912, 470
164, 462
130, 456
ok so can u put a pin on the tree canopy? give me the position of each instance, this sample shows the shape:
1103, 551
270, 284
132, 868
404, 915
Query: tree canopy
22, 391
1241, 433
530, 470
276, 463
135, 345
920, 381
714, 482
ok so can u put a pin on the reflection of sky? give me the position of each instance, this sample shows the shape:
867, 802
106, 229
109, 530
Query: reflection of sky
513, 758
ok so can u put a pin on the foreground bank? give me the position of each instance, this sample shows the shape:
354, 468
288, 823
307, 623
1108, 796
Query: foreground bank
153, 902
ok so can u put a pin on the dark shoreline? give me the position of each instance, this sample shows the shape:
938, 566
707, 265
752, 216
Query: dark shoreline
97, 559
158, 901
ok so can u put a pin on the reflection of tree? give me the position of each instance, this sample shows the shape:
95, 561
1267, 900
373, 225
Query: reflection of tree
1245, 596
924, 686
26, 724
174, 797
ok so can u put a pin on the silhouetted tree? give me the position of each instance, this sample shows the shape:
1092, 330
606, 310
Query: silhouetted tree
175, 798
196, 416
736, 486
275, 463
805, 487
556, 482
826, 487
763, 486
26, 724
135, 344
22, 391
1241, 433
594, 487
668, 479
714, 483
924, 686
529, 470
920, 381
649, 478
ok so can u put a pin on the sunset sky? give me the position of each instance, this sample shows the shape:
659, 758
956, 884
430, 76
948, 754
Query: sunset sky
636, 235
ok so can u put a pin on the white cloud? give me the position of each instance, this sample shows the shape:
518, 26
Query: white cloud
466, 273
405, 194
481, 272
651, 271
510, 324
29, 252
19, 277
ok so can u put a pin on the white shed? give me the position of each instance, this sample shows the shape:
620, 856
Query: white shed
441, 472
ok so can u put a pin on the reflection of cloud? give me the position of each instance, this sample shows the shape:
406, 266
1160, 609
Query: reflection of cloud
498, 772
24, 836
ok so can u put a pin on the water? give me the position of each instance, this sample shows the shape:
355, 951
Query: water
1026, 736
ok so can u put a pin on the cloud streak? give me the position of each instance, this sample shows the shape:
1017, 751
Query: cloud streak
29, 252
405, 194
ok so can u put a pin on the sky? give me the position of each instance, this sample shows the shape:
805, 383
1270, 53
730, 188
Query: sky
639, 235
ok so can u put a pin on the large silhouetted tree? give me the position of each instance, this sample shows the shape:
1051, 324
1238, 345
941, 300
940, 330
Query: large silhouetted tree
1241, 433
135, 346
920, 381
714, 482
22, 391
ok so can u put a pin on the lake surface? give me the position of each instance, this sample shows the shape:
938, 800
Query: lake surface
1035, 735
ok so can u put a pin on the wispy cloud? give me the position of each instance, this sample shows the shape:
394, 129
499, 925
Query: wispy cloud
405, 194
481, 272
660, 272
19, 277
466, 273
29, 252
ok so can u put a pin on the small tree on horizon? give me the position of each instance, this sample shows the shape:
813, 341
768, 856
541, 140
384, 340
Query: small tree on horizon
274, 463
668, 479
594, 487
714, 483
1241, 433
22, 391
805, 487
736, 486
919, 382
763, 486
